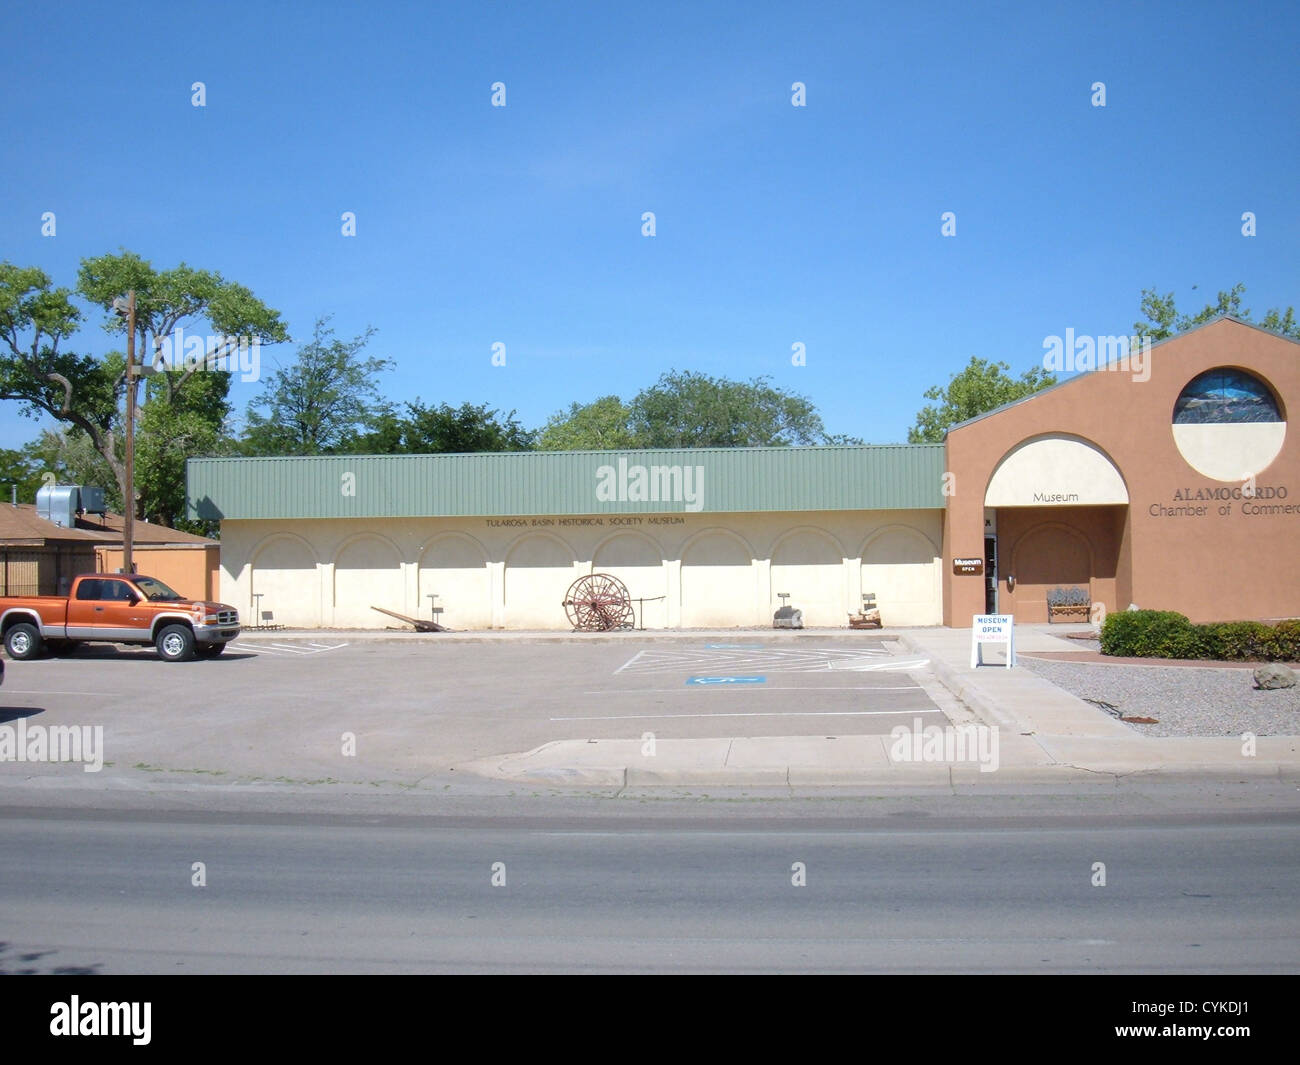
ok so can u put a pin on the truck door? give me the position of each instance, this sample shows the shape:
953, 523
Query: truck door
103, 608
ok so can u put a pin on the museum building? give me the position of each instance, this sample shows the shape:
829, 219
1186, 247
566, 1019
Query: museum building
1166, 478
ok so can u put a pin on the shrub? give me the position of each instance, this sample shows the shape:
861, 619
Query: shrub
1237, 641
1133, 633
1167, 634
1283, 642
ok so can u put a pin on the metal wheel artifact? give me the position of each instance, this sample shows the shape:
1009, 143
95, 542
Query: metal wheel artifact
597, 603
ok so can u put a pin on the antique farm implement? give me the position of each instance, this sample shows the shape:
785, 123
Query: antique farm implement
420, 624
598, 603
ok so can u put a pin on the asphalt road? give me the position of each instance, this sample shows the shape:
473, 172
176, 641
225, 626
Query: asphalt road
112, 893
269, 710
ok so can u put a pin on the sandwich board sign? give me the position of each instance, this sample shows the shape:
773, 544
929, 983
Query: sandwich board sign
992, 628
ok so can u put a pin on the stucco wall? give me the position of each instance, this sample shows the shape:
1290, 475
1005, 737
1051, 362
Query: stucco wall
711, 570
1231, 559
193, 571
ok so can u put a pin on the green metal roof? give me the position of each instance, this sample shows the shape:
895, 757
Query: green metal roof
868, 477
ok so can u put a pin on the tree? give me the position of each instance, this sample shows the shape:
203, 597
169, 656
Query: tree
86, 393
603, 424
980, 387
443, 429
460, 430
70, 457
324, 400
685, 409
21, 470
1164, 321
168, 434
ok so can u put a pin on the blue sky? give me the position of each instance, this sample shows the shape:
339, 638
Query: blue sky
775, 224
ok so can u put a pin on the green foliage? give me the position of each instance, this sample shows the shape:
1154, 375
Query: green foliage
87, 393
1236, 641
601, 425
1283, 644
169, 433
1163, 319
980, 387
321, 403
35, 318
685, 409
71, 457
443, 429
23, 469
165, 299
1165, 634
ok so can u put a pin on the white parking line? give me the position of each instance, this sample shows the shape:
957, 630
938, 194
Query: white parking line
804, 713
22, 691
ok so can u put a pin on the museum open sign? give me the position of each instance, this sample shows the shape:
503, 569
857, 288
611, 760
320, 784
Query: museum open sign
992, 628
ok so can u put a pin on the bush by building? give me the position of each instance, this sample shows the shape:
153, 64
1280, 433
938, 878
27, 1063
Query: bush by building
1167, 634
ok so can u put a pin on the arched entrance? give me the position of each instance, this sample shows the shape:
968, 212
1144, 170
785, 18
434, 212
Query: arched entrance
1055, 510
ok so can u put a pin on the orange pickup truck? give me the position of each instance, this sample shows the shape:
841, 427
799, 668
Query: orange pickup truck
117, 608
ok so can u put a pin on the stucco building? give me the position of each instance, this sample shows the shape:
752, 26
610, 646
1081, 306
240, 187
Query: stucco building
1168, 480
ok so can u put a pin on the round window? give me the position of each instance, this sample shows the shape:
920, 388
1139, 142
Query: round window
1227, 424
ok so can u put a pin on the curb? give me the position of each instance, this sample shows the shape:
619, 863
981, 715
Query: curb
952, 778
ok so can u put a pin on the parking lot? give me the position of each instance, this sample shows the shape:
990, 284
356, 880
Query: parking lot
286, 709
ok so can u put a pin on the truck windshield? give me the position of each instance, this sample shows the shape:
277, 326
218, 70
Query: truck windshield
155, 589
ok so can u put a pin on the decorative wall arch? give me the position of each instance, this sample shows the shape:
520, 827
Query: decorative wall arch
368, 572
367, 534
807, 563
1028, 580
641, 570
536, 534
533, 588
896, 526
655, 547
902, 567
458, 576
453, 534
691, 540
270, 538
281, 566
814, 529
718, 588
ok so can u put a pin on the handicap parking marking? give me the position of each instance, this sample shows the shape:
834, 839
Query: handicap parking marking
726, 680
819, 690
761, 713
284, 650
722, 662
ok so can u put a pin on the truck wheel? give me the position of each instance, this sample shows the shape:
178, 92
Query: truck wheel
23, 641
175, 644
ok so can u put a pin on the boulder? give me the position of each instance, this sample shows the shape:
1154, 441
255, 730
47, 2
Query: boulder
1275, 675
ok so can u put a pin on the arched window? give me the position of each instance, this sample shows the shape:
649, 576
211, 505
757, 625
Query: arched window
1223, 396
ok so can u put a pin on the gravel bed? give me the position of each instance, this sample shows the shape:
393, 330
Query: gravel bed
1185, 700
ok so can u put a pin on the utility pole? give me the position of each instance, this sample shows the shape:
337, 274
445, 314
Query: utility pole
127, 307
